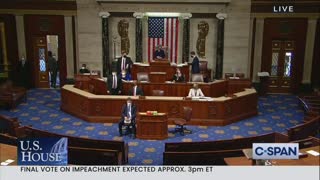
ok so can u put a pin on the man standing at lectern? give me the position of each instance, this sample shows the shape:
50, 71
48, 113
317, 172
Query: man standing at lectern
159, 53
128, 117
124, 63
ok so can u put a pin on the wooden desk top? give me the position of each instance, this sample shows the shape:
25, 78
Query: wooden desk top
307, 161
8, 152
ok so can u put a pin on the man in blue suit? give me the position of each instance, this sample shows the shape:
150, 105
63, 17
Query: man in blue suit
128, 117
195, 63
159, 53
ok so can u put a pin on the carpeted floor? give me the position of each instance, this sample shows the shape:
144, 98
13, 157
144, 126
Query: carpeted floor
42, 111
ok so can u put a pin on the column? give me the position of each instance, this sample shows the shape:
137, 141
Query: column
139, 48
308, 55
69, 47
105, 44
258, 42
186, 37
220, 45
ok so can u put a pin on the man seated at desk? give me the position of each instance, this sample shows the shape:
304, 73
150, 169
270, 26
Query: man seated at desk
159, 53
128, 116
135, 90
84, 69
114, 83
178, 76
195, 91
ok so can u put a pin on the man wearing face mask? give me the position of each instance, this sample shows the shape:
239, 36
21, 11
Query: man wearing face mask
195, 66
128, 117
23, 73
124, 63
114, 83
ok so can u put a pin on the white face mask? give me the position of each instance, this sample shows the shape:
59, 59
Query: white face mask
82, 67
128, 103
22, 59
113, 73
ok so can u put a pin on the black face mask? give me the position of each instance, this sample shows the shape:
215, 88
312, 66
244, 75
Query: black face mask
125, 56
192, 56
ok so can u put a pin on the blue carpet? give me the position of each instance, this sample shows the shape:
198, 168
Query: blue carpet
42, 111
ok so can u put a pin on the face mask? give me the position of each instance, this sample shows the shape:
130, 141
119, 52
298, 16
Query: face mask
124, 55
22, 59
113, 73
192, 56
128, 103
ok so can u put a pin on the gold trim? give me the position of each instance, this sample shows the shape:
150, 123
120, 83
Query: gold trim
4, 46
41, 12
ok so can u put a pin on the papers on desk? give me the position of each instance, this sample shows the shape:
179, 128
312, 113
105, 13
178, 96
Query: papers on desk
234, 78
144, 81
169, 82
313, 153
7, 162
202, 99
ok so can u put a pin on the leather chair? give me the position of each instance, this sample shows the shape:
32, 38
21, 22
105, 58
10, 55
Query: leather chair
240, 75
180, 123
143, 76
205, 71
197, 78
228, 75
157, 92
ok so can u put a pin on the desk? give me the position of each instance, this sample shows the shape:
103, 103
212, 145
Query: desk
107, 108
152, 126
159, 67
8, 152
307, 161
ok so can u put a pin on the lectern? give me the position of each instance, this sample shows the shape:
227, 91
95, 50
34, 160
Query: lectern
152, 126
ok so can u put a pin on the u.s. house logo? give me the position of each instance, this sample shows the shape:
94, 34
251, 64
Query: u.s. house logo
43, 151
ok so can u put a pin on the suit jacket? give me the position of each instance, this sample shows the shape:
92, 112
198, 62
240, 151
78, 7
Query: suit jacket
195, 93
124, 112
110, 82
128, 64
82, 71
159, 53
178, 79
139, 91
195, 65
23, 74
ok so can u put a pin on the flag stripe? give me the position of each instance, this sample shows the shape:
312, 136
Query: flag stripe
165, 32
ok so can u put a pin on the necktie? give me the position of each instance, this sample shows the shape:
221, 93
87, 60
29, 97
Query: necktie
129, 111
114, 82
135, 91
123, 66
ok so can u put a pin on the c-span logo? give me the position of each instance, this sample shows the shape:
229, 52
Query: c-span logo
43, 151
275, 151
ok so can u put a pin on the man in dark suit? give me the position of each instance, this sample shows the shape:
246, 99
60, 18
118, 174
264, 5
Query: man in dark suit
84, 69
114, 83
23, 73
135, 90
124, 63
159, 53
128, 117
195, 69
53, 69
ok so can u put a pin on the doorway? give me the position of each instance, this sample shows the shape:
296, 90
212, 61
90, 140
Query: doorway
46, 61
281, 66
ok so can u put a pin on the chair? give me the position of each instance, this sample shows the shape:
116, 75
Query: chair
180, 123
240, 75
157, 92
143, 76
197, 78
205, 71
228, 75
128, 130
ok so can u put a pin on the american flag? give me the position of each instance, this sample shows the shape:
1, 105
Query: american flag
163, 31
